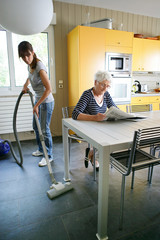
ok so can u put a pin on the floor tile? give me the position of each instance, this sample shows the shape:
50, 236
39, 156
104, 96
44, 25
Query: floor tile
26, 212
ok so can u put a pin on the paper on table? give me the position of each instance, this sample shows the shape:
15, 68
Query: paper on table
115, 113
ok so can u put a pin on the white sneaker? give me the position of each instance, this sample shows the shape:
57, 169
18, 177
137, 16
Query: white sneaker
43, 162
37, 153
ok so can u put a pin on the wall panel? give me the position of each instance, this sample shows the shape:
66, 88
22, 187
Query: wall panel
71, 15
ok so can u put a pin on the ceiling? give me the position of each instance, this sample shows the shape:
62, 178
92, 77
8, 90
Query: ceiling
149, 8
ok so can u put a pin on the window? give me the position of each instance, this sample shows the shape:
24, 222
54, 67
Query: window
4, 69
13, 71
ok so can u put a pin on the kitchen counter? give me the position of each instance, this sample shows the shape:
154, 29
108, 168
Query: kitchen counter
145, 94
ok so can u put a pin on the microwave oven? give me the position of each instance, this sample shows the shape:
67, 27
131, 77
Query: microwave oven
118, 63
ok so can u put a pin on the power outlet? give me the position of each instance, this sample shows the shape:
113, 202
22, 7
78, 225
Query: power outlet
60, 83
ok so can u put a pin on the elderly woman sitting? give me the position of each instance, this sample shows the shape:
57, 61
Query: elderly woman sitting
93, 104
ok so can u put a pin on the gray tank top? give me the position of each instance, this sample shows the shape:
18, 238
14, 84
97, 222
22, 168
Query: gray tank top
37, 83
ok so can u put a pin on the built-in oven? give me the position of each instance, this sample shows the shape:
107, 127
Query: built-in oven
118, 63
120, 90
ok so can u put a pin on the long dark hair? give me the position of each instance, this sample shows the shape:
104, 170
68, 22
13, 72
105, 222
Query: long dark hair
23, 50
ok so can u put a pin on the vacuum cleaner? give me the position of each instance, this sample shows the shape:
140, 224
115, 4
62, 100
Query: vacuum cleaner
57, 188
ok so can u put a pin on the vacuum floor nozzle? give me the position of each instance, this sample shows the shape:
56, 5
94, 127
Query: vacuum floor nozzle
58, 189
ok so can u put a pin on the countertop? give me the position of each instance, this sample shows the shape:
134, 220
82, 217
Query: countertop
145, 94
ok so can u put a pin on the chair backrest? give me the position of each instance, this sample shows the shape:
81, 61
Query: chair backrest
139, 108
67, 111
142, 138
147, 137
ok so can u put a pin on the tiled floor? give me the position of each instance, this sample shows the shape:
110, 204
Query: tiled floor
26, 213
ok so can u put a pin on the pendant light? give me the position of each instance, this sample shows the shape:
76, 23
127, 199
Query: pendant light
25, 17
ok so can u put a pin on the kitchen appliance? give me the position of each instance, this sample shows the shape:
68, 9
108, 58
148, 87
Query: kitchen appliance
118, 63
120, 90
137, 83
144, 87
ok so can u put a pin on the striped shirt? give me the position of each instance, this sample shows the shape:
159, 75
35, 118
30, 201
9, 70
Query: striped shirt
88, 105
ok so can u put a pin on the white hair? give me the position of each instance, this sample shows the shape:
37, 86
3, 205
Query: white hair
102, 75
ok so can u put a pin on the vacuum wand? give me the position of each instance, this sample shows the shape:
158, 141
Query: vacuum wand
57, 188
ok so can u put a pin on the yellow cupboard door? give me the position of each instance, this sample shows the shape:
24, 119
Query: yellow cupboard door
155, 101
151, 55
146, 55
91, 55
140, 100
122, 107
73, 66
137, 54
119, 41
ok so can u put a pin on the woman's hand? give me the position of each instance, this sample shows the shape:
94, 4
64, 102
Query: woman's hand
35, 110
87, 117
25, 89
100, 117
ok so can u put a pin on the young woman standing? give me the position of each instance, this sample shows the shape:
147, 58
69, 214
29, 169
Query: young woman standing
44, 101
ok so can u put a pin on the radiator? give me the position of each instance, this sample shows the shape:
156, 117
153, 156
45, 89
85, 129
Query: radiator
24, 114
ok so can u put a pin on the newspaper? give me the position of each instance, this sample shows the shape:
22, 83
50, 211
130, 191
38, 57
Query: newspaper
114, 113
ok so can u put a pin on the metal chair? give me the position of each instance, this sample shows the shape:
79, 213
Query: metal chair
135, 158
67, 113
139, 108
144, 108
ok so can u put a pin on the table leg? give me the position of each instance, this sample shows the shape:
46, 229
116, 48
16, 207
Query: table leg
103, 192
65, 152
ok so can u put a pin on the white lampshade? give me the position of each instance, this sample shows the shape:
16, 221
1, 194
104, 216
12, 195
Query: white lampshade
25, 17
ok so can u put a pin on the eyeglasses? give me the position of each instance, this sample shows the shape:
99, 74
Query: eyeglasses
104, 85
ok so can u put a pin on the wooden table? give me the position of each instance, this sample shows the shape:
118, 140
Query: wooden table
107, 137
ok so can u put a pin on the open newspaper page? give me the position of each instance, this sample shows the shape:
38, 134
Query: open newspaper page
115, 114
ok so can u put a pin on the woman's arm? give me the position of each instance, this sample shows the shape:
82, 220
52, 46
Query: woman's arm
109, 101
86, 117
25, 86
81, 105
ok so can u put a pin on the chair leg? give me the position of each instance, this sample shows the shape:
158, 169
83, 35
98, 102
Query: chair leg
132, 183
122, 202
152, 151
94, 164
151, 173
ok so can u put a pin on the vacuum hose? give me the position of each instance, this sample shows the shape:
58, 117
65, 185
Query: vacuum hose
18, 161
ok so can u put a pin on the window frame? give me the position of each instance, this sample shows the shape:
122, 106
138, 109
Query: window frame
12, 90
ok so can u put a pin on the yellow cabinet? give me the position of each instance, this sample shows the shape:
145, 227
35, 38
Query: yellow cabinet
86, 55
122, 107
139, 100
154, 100
119, 41
146, 55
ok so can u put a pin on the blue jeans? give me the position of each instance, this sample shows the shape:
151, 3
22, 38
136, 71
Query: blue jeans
45, 114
